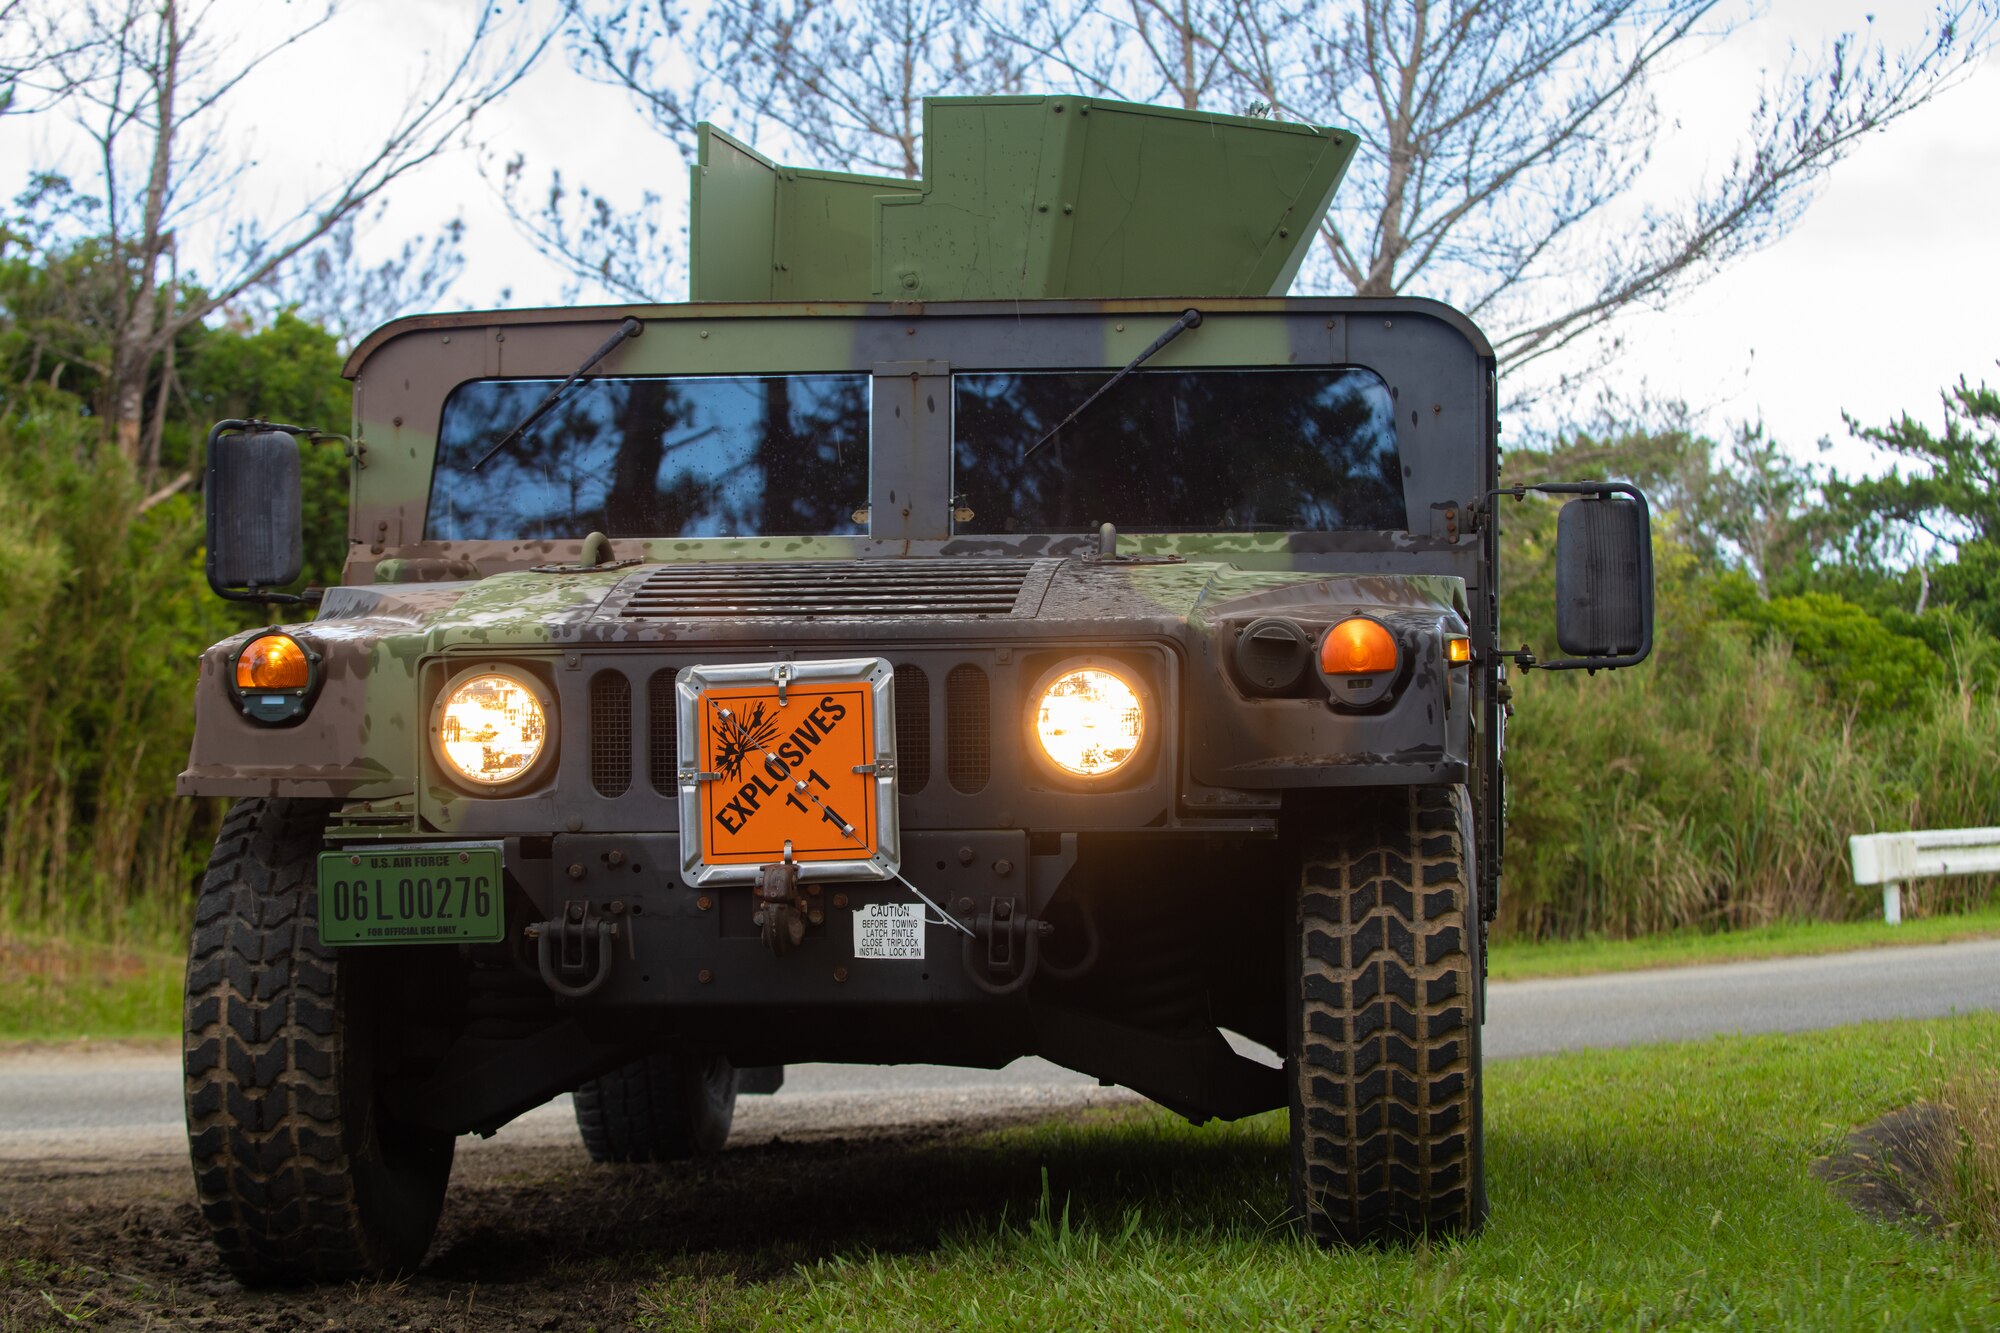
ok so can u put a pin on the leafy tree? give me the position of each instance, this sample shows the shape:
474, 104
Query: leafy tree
1945, 487
287, 371
1930, 525
150, 84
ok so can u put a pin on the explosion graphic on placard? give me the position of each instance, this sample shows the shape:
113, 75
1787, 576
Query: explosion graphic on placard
736, 739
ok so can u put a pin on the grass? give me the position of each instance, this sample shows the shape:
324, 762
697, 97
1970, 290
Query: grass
1966, 1193
63, 990
1662, 1187
58, 990
1517, 960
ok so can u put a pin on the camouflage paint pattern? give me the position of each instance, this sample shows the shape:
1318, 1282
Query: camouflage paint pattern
413, 610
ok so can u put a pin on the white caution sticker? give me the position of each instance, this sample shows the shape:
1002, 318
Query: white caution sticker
889, 930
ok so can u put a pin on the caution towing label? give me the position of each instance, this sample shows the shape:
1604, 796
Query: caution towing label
798, 769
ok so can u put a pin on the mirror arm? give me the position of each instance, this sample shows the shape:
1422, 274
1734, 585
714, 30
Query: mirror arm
311, 435
1525, 659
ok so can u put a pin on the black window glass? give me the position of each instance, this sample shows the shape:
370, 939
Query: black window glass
1179, 451
705, 456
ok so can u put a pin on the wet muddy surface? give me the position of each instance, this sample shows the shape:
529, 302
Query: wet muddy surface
534, 1235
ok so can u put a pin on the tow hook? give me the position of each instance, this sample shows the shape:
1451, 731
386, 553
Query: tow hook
781, 910
564, 950
1012, 947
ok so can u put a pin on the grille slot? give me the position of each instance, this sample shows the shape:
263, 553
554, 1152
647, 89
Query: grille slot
968, 729
913, 729
610, 733
881, 589
662, 719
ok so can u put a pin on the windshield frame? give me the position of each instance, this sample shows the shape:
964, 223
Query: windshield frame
1439, 367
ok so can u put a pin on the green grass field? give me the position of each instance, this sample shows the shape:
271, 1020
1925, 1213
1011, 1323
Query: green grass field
60, 991
1665, 1187
1518, 960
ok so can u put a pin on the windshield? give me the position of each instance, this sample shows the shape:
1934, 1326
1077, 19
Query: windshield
1178, 451
693, 456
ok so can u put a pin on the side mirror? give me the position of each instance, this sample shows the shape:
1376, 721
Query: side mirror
256, 523
1604, 577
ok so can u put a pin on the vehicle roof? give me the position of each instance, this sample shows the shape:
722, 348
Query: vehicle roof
717, 310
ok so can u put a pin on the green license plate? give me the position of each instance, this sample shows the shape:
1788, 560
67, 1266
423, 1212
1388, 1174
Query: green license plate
442, 894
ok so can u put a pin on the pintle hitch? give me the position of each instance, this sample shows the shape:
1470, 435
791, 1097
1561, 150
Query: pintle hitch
781, 906
573, 952
1004, 949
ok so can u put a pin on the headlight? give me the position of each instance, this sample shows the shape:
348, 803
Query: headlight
1090, 721
1360, 661
490, 728
1358, 646
275, 677
272, 662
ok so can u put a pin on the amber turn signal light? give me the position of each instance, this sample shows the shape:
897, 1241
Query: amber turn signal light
1457, 649
1358, 647
273, 662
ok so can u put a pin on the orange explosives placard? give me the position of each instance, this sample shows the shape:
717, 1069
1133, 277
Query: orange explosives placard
787, 773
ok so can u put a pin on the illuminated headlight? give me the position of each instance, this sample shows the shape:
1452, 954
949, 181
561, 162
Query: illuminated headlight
1090, 721
275, 678
490, 727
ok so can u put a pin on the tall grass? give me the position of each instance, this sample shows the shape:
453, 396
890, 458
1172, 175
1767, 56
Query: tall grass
1717, 787
1965, 1180
102, 611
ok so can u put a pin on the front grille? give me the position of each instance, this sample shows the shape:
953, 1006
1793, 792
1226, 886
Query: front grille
913, 728
662, 714
878, 589
610, 733
968, 729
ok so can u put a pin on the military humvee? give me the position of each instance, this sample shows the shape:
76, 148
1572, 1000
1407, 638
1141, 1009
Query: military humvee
988, 619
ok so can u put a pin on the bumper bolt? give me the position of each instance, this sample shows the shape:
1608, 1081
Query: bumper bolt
840, 974
965, 856
817, 917
1003, 867
704, 976
704, 902
840, 900
575, 871
615, 858
965, 904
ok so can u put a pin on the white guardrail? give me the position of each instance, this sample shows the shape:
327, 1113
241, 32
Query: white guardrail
1894, 859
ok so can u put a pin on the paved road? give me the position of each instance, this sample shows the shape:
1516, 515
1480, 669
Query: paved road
69, 1104
1781, 995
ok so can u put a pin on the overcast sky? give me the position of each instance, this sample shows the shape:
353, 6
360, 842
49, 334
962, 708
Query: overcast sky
1886, 291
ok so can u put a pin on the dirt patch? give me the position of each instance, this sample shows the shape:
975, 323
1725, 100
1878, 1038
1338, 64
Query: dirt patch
1888, 1169
534, 1235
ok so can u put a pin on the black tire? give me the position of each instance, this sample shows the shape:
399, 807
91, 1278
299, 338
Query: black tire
301, 1176
1386, 1134
659, 1108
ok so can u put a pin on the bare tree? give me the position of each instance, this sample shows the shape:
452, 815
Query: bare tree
1195, 54
333, 286
151, 84
1504, 141
834, 85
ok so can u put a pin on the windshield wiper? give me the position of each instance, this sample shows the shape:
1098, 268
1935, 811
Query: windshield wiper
1190, 319
630, 328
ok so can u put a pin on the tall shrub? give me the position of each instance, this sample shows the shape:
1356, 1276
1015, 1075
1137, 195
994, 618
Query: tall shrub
101, 616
